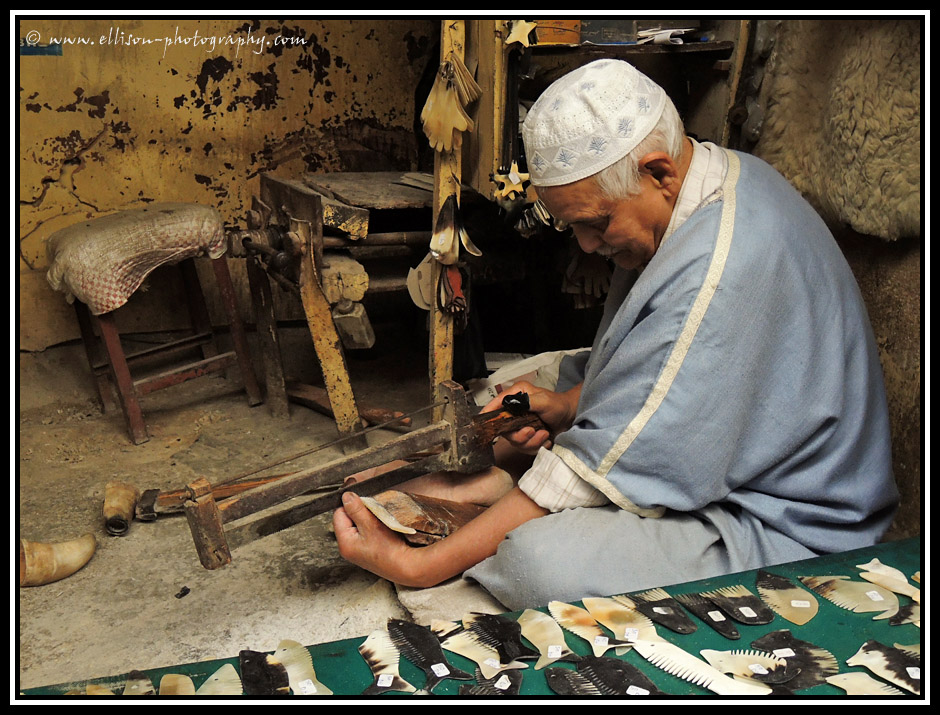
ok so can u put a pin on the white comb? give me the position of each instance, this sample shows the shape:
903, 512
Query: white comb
674, 660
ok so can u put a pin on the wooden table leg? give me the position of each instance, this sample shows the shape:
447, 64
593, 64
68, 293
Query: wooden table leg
266, 328
237, 328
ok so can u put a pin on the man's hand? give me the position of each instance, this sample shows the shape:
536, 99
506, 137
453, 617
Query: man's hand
368, 543
557, 410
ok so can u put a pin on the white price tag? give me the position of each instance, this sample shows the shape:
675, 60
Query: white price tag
662, 610
637, 690
600, 640
800, 604
384, 680
492, 663
631, 634
757, 668
914, 672
555, 651
748, 612
503, 683
439, 669
874, 596
784, 652
307, 687
716, 616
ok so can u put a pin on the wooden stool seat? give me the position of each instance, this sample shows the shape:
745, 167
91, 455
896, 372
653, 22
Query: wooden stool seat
100, 263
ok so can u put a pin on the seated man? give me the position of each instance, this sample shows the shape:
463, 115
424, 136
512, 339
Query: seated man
731, 414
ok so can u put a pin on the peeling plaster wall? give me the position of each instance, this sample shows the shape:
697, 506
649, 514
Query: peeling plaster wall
135, 119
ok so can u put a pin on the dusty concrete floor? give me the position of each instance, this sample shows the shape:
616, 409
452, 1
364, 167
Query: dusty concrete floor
121, 611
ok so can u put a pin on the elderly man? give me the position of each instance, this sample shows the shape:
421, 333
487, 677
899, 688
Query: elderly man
731, 412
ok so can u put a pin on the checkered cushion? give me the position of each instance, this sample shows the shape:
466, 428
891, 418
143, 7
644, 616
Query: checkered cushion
103, 261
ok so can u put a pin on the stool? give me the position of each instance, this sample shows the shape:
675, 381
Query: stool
100, 263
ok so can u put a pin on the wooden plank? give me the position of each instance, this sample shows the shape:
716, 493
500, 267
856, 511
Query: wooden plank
351, 220
371, 190
316, 398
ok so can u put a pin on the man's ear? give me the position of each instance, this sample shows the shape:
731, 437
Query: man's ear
661, 168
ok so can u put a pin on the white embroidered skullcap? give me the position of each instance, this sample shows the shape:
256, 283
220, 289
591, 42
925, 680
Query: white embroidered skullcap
588, 119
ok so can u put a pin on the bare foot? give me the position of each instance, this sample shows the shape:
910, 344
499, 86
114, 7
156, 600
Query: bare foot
484, 488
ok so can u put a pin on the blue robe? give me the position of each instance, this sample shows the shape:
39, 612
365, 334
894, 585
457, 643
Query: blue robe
733, 408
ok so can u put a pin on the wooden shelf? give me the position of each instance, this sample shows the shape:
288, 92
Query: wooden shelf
721, 49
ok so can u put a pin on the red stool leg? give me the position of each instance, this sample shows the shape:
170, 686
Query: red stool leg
92, 351
127, 394
239, 338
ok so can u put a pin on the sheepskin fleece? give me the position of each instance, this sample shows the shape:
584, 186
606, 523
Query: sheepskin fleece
843, 120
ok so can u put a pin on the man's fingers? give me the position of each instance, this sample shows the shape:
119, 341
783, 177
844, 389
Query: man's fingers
350, 518
356, 510
529, 440
497, 402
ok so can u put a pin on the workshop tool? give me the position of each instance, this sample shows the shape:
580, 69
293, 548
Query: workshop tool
286, 241
154, 502
458, 442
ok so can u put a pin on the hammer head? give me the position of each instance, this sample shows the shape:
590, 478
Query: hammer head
146, 505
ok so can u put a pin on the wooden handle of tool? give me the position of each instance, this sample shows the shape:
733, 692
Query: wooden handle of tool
490, 425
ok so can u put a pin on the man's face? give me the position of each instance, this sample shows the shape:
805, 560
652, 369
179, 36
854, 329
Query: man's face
628, 231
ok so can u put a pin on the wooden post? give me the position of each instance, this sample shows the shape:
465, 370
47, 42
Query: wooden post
446, 183
325, 338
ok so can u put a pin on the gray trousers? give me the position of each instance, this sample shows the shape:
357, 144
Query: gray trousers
605, 551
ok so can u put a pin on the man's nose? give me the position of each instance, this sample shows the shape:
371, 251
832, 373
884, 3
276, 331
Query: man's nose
588, 240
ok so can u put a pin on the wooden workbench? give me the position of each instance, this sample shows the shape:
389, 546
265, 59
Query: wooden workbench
340, 667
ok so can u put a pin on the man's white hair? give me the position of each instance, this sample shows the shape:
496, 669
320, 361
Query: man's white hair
621, 179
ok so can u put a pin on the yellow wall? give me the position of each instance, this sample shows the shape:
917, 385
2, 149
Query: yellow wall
138, 119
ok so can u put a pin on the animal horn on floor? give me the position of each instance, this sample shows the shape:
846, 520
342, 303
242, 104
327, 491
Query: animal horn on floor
44, 563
